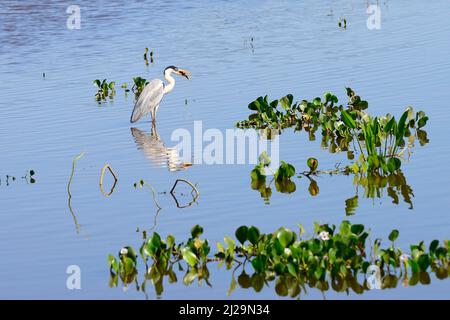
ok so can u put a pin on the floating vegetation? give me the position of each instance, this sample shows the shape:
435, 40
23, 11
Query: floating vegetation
372, 182
105, 89
342, 23
332, 258
102, 174
124, 86
148, 55
282, 177
29, 177
74, 162
380, 141
138, 86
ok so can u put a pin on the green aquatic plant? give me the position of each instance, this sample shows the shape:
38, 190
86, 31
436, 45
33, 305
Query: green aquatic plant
138, 86
148, 54
124, 86
29, 177
282, 177
342, 23
373, 184
332, 257
105, 89
381, 142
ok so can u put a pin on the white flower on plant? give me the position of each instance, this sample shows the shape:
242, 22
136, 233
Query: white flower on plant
124, 251
404, 257
324, 235
287, 251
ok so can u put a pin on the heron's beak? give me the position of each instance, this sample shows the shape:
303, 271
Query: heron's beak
184, 73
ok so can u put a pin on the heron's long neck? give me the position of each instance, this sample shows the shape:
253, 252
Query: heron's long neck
171, 82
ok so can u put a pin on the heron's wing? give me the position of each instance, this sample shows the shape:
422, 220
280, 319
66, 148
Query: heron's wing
148, 100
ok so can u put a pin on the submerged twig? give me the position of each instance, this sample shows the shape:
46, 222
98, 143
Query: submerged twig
107, 166
77, 226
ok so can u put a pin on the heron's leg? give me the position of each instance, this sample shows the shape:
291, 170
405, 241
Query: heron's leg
153, 117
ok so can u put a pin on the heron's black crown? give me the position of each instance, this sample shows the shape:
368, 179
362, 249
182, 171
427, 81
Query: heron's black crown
171, 67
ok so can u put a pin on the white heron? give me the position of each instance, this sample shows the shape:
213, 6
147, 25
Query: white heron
151, 96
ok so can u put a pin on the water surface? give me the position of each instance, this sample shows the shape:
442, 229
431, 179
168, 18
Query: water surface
297, 48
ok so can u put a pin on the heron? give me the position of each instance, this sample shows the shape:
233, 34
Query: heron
154, 91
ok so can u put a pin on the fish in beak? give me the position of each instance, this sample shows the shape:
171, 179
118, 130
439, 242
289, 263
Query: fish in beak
184, 73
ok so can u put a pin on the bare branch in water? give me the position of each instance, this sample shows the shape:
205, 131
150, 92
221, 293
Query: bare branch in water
107, 166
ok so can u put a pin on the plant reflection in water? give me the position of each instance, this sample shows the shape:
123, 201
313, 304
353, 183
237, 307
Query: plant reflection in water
333, 258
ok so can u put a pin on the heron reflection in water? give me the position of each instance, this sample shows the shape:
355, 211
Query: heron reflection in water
155, 150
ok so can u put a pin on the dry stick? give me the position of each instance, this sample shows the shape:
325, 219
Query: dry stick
107, 166
77, 226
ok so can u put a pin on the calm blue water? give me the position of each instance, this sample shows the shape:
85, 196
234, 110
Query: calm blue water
297, 48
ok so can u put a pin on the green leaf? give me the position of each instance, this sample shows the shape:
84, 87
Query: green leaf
433, 245
232, 285
389, 125
112, 261
394, 164
424, 262
253, 235
422, 122
285, 236
285, 171
274, 104
259, 263
357, 229
292, 269
244, 280
264, 159
189, 256
241, 234
401, 128
230, 243
348, 120
393, 235
196, 231
254, 105
350, 205
312, 164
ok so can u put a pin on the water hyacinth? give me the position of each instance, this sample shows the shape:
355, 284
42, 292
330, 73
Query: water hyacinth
105, 89
404, 257
380, 141
333, 258
324, 236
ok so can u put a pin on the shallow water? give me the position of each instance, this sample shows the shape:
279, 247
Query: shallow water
297, 48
